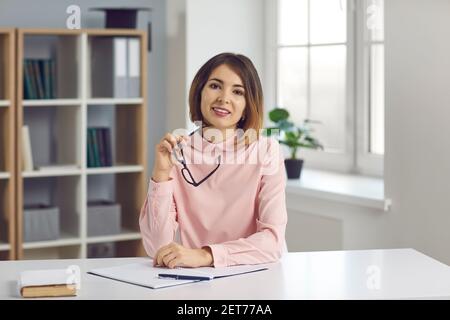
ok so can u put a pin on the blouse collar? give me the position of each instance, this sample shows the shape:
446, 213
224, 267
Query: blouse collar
198, 142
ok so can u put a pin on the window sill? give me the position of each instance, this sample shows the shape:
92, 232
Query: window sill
347, 188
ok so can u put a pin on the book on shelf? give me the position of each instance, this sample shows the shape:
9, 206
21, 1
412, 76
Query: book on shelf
133, 73
27, 155
99, 153
49, 283
39, 78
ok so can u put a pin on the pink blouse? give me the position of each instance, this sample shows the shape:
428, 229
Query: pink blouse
239, 211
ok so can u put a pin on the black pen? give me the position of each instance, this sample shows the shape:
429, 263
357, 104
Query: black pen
182, 277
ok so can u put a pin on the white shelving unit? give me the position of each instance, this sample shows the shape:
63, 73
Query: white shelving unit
124, 235
114, 101
51, 173
65, 240
51, 102
4, 175
71, 114
115, 169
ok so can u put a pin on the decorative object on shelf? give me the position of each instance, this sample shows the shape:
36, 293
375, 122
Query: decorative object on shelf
104, 218
121, 17
294, 137
27, 155
40, 223
126, 18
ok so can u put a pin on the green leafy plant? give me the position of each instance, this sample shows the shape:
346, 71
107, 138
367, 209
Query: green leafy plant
293, 136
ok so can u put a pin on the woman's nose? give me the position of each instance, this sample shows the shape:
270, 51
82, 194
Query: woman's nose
223, 99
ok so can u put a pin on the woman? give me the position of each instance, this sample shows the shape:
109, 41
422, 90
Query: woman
228, 212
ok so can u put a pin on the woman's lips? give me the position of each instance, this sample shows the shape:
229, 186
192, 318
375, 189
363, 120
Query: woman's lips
219, 112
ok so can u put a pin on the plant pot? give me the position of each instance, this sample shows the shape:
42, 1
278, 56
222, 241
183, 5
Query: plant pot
293, 168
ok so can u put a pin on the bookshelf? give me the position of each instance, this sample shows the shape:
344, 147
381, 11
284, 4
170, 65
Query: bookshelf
7, 138
59, 136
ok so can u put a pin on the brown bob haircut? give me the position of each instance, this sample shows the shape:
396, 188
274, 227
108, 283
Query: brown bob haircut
244, 68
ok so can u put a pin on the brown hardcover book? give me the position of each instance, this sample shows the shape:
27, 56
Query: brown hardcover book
49, 283
62, 290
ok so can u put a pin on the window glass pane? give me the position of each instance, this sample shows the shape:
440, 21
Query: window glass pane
328, 21
293, 22
375, 19
292, 82
377, 99
328, 95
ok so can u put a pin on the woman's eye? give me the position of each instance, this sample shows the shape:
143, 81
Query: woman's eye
214, 86
239, 92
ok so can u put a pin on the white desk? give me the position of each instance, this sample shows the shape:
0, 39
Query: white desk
403, 273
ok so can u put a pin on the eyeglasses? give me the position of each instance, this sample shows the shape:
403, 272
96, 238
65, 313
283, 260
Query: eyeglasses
190, 179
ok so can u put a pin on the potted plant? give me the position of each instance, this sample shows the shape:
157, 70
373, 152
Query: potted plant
294, 137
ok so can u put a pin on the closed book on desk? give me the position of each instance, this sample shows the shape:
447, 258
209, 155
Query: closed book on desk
47, 283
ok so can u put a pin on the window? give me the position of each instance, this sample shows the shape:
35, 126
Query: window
329, 67
374, 45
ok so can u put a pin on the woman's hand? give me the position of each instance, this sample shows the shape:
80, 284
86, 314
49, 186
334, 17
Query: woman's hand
175, 255
163, 156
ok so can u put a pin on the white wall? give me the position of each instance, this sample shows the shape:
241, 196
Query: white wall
417, 161
176, 65
204, 28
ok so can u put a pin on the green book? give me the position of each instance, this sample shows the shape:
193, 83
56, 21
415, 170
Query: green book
96, 148
26, 81
89, 152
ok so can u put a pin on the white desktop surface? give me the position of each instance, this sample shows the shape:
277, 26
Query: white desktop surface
402, 274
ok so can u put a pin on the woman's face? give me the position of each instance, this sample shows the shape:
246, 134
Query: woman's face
223, 98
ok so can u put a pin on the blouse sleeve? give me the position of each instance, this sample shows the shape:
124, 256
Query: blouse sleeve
268, 242
158, 216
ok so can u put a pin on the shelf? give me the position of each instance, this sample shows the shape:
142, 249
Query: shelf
116, 101
115, 169
4, 246
58, 129
4, 175
51, 173
4, 103
51, 102
125, 235
65, 240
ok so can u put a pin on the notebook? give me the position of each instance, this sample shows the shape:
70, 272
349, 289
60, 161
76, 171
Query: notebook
145, 275
48, 283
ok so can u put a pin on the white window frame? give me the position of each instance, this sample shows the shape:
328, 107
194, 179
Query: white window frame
366, 162
356, 159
